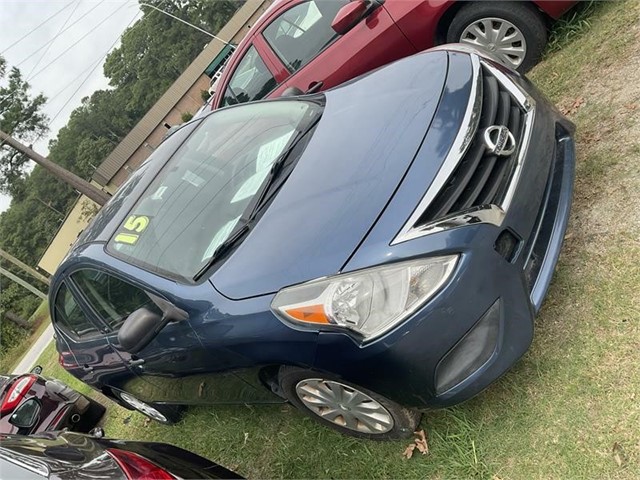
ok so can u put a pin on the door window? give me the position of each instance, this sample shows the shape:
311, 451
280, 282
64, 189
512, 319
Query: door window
26, 415
70, 317
303, 31
252, 80
112, 299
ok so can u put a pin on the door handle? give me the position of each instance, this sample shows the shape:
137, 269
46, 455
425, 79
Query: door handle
87, 368
136, 362
314, 87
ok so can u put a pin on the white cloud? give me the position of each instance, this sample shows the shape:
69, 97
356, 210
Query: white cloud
17, 17
4, 202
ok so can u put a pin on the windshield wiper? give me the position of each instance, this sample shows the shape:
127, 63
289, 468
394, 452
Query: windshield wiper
253, 208
277, 167
223, 248
274, 173
256, 203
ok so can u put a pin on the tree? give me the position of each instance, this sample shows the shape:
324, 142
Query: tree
27, 228
91, 191
21, 117
21, 122
153, 53
17, 320
13, 299
157, 49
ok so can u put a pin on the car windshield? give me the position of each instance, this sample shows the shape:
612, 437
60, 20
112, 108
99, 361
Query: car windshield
197, 200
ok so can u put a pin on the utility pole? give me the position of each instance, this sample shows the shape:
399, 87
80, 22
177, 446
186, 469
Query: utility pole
24, 266
66, 176
22, 283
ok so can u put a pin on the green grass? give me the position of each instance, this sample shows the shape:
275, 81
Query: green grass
571, 26
41, 315
600, 43
574, 396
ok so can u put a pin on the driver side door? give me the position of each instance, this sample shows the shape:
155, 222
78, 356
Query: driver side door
173, 367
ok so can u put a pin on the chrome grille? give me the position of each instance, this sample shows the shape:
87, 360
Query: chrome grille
474, 185
481, 178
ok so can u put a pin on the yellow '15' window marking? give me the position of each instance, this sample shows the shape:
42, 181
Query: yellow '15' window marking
135, 223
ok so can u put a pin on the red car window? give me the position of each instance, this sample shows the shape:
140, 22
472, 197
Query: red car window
303, 31
251, 80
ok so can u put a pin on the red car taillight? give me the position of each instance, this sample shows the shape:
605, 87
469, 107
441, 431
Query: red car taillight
16, 393
136, 467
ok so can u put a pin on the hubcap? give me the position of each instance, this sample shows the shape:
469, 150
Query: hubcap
498, 36
344, 405
142, 407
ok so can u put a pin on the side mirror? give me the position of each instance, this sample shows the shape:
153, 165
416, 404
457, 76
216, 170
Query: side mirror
37, 370
26, 415
139, 329
349, 15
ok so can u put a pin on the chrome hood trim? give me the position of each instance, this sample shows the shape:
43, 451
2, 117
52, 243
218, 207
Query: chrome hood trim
492, 214
456, 152
484, 214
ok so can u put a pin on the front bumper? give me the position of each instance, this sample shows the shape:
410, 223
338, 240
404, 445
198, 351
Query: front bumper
403, 365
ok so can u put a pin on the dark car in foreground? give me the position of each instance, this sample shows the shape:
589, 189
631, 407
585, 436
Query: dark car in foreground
31, 403
365, 253
72, 456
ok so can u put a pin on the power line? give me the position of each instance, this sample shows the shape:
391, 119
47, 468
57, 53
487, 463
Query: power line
60, 33
73, 80
72, 95
92, 70
52, 41
66, 87
78, 41
98, 62
37, 27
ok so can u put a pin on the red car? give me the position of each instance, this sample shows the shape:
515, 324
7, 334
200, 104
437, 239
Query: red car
30, 403
313, 45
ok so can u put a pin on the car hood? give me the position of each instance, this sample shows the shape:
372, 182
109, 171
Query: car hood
370, 132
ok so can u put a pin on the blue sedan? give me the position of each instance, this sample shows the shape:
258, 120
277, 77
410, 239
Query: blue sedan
365, 253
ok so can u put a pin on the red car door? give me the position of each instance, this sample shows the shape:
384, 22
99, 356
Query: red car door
250, 75
302, 41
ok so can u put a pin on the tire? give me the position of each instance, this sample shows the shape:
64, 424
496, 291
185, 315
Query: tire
165, 414
391, 420
511, 18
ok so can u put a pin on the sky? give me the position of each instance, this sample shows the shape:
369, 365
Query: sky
52, 71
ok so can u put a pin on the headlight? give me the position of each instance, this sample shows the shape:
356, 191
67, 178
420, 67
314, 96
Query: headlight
369, 301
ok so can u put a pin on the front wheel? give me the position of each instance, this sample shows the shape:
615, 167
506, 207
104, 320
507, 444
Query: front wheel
166, 414
347, 408
513, 31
